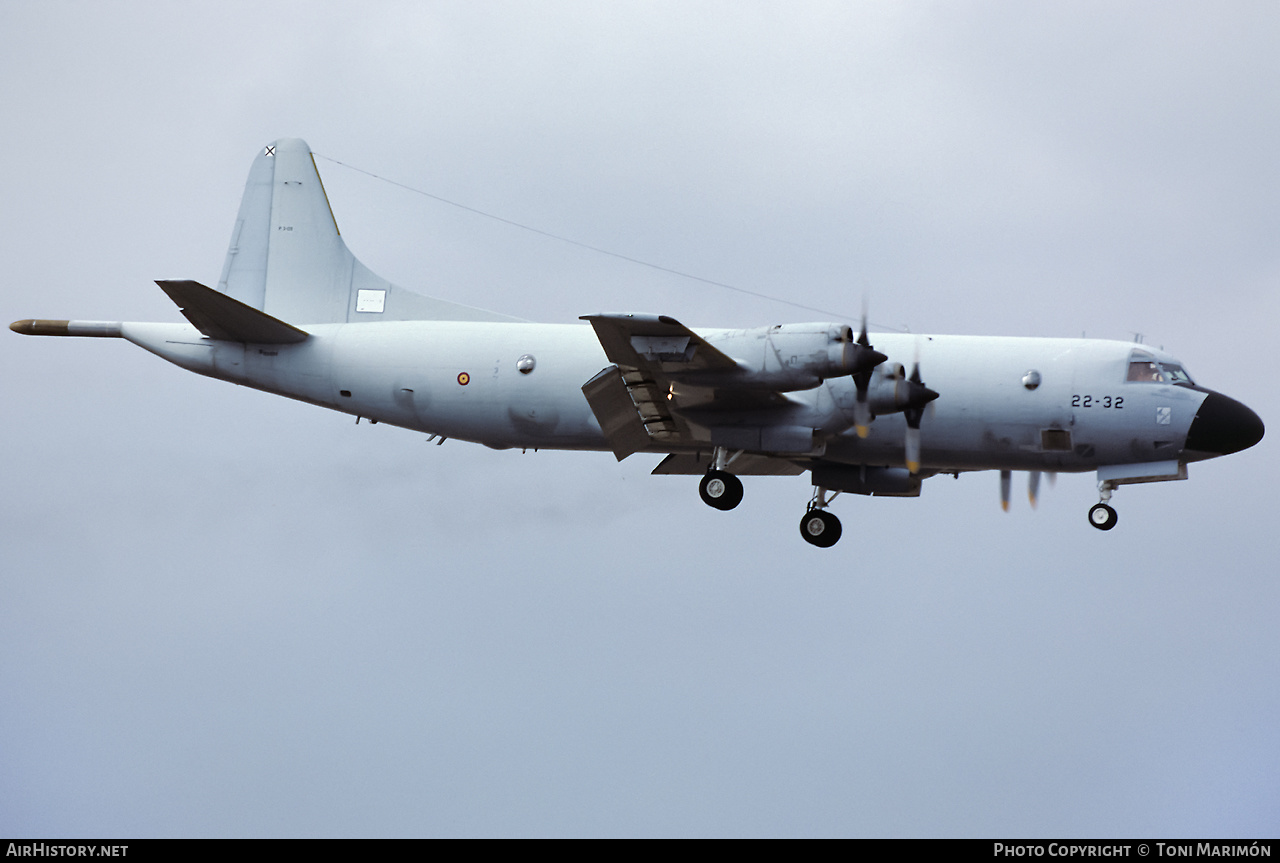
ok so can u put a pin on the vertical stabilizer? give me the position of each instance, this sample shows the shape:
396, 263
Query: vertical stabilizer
287, 259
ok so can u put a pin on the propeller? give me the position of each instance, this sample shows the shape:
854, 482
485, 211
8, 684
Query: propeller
867, 360
918, 398
1033, 486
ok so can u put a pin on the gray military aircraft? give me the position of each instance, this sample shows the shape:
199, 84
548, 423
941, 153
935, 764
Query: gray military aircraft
296, 314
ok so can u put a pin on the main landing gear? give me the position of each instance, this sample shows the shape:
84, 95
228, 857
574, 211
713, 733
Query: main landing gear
720, 489
1101, 515
819, 527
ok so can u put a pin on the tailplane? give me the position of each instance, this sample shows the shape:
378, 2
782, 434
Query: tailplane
288, 260
219, 316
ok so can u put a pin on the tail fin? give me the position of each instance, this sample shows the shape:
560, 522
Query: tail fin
288, 260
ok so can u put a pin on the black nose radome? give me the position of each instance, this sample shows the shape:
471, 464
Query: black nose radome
1223, 426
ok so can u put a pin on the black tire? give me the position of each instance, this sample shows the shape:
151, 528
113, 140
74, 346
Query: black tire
1102, 516
820, 528
720, 490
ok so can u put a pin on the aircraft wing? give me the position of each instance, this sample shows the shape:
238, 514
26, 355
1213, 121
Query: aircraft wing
656, 344
664, 381
746, 464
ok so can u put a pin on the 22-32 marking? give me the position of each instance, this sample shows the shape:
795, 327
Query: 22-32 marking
1116, 402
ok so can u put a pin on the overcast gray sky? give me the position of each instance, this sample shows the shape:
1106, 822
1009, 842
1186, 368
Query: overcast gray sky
227, 614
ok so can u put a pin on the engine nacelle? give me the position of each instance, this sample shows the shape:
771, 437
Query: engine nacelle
790, 357
892, 391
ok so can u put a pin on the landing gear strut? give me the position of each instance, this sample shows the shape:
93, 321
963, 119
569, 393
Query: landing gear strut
1101, 515
819, 527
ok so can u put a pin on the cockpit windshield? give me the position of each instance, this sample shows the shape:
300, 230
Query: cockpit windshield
1145, 371
1144, 368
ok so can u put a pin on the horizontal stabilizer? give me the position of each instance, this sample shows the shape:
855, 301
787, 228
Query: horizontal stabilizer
219, 316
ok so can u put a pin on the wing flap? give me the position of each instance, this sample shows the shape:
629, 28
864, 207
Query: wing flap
622, 424
634, 412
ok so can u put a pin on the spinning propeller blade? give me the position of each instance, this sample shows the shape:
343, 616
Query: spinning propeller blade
1033, 486
918, 397
868, 359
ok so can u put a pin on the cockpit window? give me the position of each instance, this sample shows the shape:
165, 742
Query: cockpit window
1145, 371
1176, 374
1143, 368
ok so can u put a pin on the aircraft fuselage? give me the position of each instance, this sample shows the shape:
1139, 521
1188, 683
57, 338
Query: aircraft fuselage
461, 380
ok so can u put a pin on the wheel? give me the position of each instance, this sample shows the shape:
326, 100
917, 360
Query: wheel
1103, 517
720, 490
820, 528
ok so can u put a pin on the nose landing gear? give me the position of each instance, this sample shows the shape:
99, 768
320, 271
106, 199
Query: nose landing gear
1101, 515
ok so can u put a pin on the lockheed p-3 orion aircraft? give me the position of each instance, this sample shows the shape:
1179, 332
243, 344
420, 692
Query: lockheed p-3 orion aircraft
295, 314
